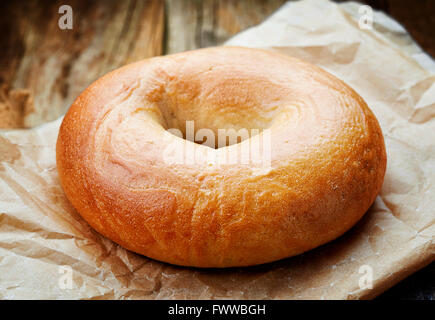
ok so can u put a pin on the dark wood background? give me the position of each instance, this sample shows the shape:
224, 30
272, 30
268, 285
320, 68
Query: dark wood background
43, 68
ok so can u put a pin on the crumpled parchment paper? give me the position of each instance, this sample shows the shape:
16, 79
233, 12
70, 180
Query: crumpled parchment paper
48, 251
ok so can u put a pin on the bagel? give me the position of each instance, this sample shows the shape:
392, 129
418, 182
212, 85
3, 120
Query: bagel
127, 166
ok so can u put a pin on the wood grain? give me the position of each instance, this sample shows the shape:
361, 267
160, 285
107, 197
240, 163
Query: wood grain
44, 68
193, 24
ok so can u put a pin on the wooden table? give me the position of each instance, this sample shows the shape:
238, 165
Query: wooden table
43, 68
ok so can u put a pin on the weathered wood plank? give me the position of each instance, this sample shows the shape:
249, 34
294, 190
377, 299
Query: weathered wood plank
195, 24
43, 68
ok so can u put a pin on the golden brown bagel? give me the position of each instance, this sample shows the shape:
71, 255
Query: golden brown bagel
326, 167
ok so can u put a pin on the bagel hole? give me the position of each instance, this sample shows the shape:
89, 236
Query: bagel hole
233, 111
214, 138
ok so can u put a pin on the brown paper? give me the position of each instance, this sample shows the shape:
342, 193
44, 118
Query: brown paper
43, 239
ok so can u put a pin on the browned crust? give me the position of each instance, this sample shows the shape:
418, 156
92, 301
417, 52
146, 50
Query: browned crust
328, 161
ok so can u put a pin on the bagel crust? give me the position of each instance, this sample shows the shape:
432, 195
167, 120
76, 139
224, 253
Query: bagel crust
327, 157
